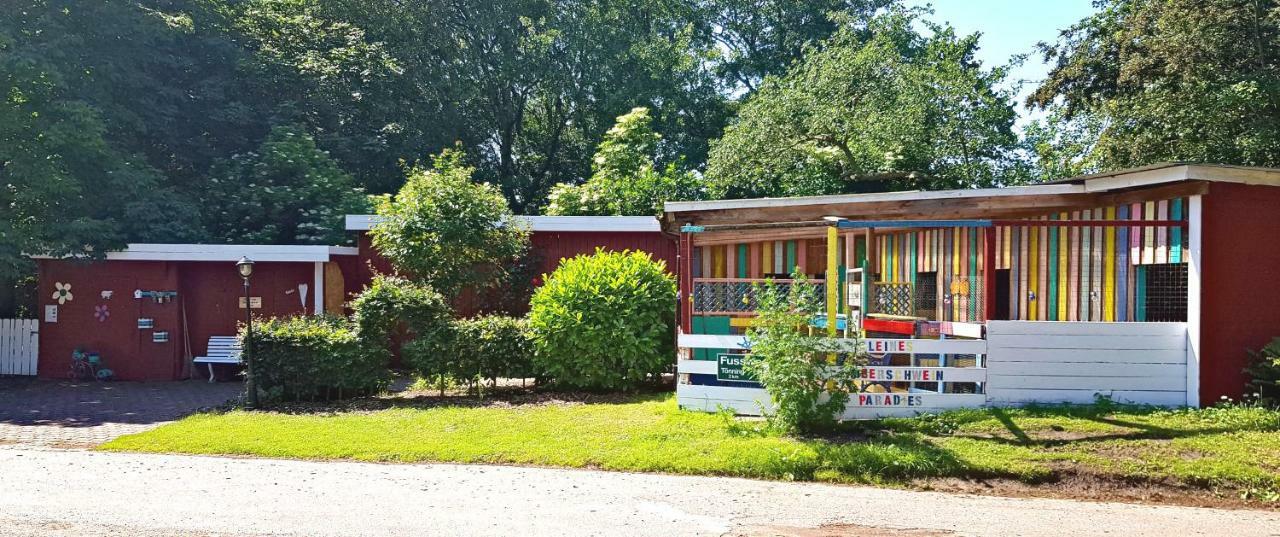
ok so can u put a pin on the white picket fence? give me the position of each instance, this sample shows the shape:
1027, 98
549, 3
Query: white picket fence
19, 346
1020, 363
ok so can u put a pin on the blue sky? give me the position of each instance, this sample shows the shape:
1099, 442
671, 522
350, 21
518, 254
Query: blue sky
1009, 28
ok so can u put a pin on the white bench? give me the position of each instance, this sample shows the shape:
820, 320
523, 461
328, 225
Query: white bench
222, 350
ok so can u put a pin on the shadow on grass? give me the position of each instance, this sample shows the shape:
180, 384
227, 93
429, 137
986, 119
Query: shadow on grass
504, 397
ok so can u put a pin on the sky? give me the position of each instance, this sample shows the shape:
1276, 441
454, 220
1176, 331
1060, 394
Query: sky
1009, 28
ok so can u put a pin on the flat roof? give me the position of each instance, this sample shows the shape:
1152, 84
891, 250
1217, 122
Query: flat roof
363, 222
227, 253
1155, 174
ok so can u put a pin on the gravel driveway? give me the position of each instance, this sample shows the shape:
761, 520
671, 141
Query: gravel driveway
69, 414
57, 492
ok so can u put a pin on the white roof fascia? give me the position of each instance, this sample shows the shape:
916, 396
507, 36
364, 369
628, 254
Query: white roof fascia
226, 253
1030, 190
363, 222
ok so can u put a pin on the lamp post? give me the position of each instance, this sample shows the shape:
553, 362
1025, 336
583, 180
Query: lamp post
245, 268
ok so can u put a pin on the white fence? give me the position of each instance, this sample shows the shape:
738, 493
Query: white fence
1019, 363
1071, 362
19, 339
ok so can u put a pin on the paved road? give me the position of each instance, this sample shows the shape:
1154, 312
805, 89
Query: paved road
64, 492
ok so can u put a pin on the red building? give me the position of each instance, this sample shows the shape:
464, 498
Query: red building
150, 309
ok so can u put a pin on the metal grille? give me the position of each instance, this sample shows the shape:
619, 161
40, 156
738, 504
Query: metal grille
1166, 293
737, 296
895, 299
926, 294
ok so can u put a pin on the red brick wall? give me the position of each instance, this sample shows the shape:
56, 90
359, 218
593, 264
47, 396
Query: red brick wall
1240, 300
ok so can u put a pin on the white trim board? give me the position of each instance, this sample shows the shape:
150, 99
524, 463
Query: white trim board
549, 224
226, 253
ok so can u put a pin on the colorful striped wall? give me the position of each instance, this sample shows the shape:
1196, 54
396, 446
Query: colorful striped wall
761, 259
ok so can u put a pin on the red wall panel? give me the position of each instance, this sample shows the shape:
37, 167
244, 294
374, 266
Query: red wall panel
1240, 299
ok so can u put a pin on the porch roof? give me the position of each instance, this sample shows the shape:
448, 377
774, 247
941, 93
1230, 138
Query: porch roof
226, 253
1160, 181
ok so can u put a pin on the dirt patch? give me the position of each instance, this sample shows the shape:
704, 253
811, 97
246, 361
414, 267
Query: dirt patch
1073, 484
834, 530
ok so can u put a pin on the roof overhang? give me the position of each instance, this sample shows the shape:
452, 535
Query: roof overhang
229, 253
1162, 181
609, 224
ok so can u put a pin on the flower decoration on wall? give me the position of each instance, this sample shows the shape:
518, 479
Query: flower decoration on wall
62, 293
101, 313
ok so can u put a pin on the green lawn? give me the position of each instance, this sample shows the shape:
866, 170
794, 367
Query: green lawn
1236, 448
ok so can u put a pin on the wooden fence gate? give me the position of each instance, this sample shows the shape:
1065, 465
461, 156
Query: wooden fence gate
19, 340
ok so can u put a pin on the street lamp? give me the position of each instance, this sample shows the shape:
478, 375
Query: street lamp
245, 267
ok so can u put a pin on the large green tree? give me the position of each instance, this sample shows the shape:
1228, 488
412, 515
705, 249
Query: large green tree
1145, 81
875, 107
627, 179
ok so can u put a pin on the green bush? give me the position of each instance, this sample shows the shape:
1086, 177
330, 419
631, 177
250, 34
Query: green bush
475, 352
1264, 374
313, 358
808, 391
604, 321
393, 306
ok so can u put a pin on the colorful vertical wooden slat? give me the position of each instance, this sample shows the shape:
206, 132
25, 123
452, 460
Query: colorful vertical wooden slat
1175, 233
731, 261
696, 262
1162, 233
744, 267
802, 257
1095, 286
779, 258
1122, 266
1051, 279
1140, 289
1148, 235
1042, 286
975, 289
1011, 236
1135, 235
1064, 256
1024, 276
766, 258
914, 250
1033, 273
1109, 268
718, 261
708, 262
753, 265
1086, 267
1073, 271
791, 257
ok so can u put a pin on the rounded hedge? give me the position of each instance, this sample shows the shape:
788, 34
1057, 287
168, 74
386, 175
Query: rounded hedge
604, 321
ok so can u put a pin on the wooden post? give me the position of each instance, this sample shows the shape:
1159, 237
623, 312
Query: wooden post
685, 268
833, 282
989, 274
868, 273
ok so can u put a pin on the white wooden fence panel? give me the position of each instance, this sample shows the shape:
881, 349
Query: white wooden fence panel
879, 346
1073, 362
19, 340
753, 400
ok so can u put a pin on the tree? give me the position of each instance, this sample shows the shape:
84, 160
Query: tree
1168, 80
286, 192
626, 180
896, 109
446, 231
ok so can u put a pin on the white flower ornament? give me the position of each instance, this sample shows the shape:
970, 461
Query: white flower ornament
63, 292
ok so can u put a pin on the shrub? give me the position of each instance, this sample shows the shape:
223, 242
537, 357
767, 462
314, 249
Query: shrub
475, 351
808, 391
604, 321
393, 306
313, 358
1264, 374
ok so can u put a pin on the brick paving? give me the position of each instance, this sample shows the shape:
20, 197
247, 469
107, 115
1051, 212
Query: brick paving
75, 415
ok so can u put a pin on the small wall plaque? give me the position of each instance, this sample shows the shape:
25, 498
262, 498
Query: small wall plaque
144, 323
255, 302
160, 337
51, 313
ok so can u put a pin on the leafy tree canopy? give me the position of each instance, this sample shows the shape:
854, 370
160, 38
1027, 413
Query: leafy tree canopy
286, 192
443, 230
1146, 81
626, 180
875, 107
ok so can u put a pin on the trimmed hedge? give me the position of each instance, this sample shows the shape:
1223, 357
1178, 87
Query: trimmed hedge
475, 350
395, 306
605, 321
297, 358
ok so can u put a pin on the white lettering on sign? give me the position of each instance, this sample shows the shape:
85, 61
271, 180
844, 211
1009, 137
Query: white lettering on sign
882, 346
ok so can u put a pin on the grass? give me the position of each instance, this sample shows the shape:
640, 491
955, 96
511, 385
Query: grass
1234, 447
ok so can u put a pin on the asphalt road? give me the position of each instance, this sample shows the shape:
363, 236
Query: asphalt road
60, 492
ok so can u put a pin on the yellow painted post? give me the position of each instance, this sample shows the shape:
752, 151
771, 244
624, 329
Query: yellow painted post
833, 283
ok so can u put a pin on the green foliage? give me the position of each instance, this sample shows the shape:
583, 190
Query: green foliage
1166, 80
479, 350
286, 192
808, 391
604, 321
448, 232
393, 306
880, 107
314, 358
1264, 374
626, 180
